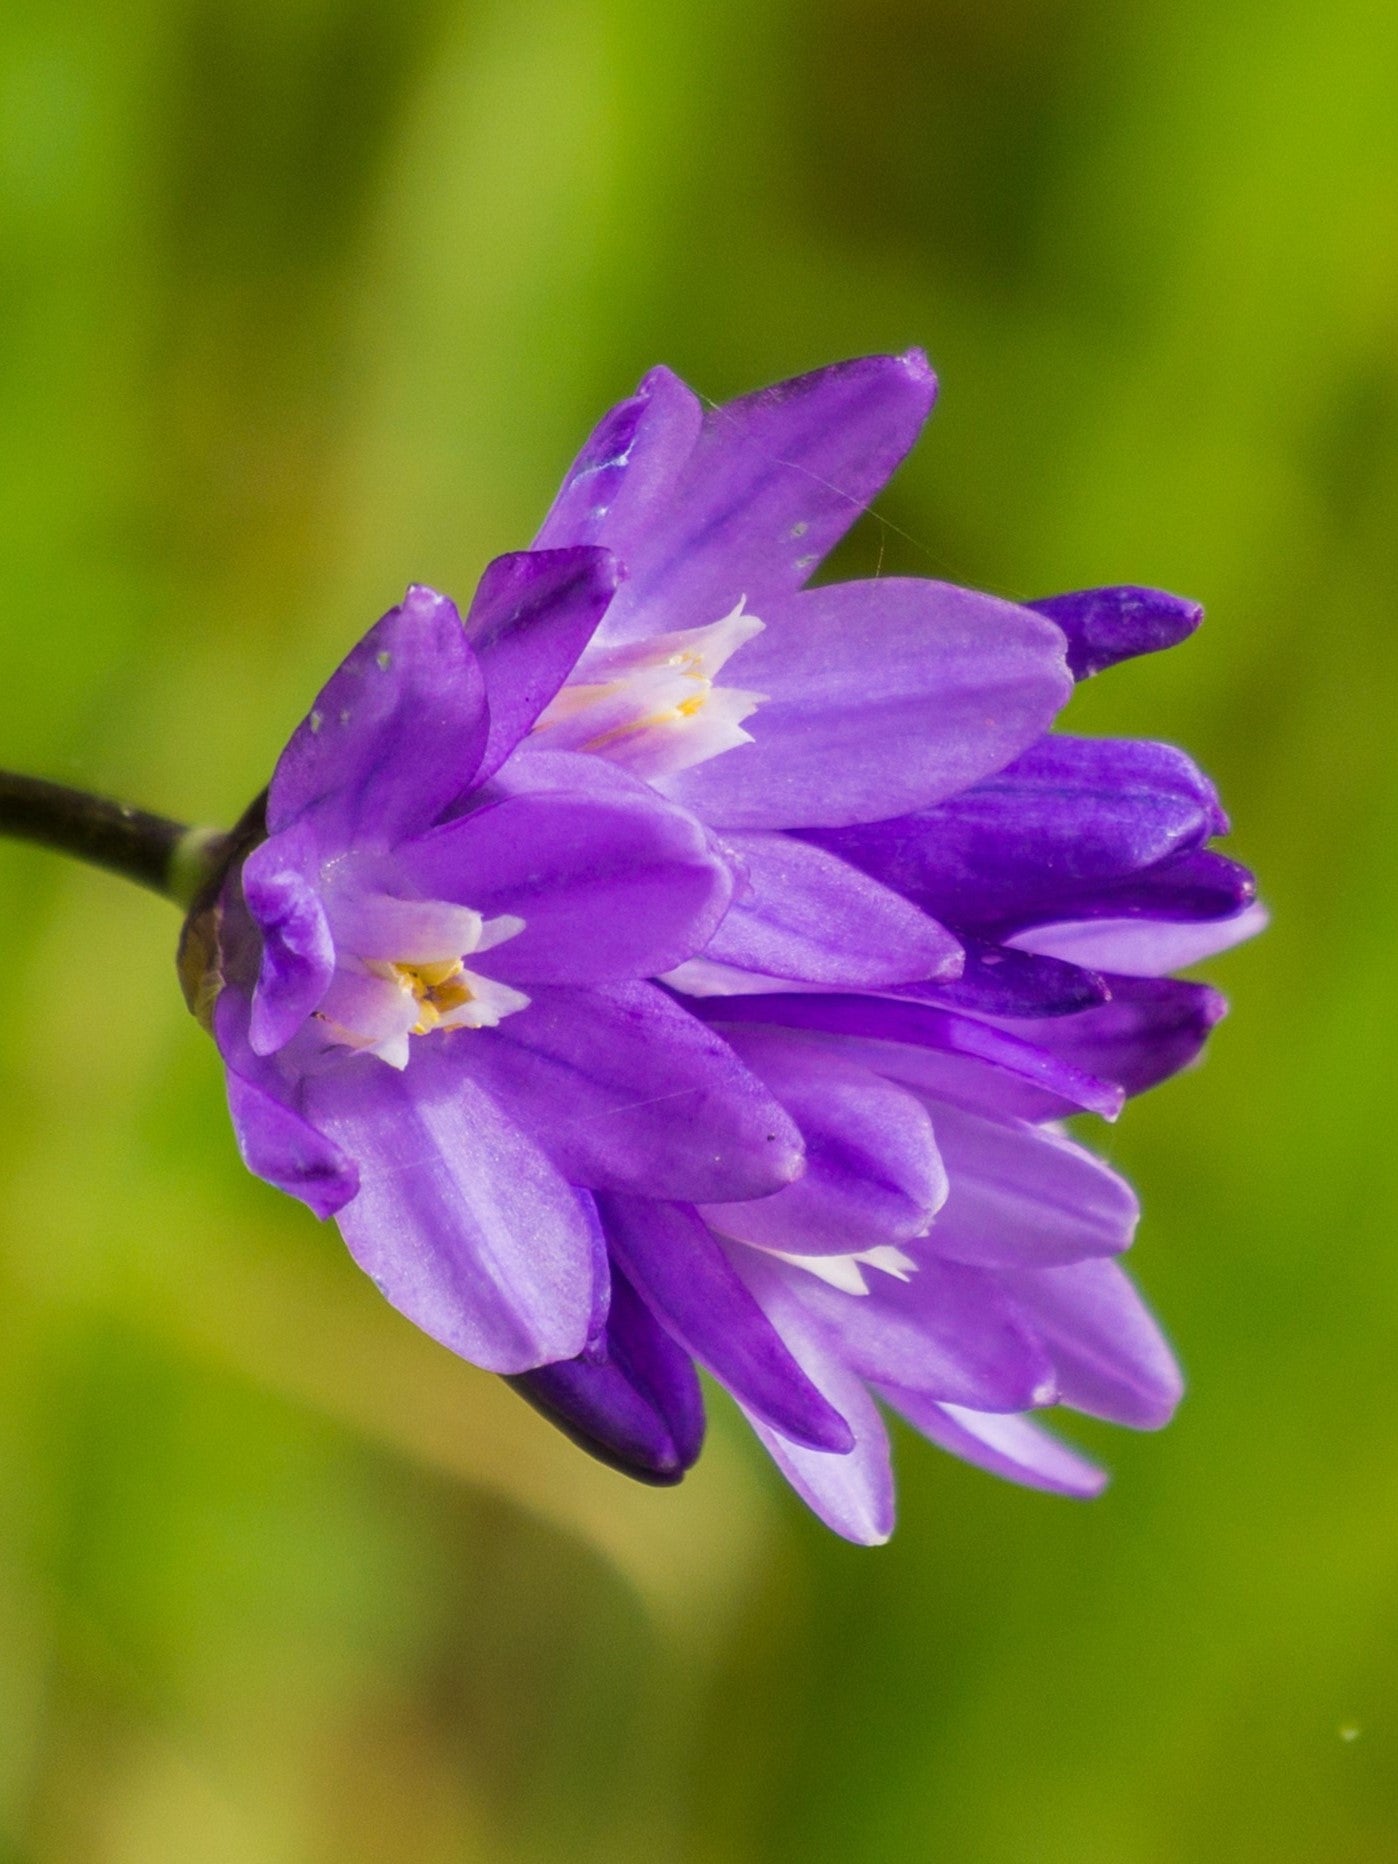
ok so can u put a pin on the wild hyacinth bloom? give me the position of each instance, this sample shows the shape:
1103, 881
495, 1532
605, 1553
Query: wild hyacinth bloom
428, 982
951, 931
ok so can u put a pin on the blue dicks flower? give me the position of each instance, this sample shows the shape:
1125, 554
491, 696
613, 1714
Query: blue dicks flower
951, 929
431, 977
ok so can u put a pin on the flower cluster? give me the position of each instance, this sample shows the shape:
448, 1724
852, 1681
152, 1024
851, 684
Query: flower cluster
672, 964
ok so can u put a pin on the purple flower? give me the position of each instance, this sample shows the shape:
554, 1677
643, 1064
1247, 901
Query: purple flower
951, 930
428, 983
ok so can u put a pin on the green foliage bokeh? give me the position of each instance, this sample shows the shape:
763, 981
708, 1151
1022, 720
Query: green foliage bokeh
300, 301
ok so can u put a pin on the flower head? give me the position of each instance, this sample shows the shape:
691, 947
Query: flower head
674, 964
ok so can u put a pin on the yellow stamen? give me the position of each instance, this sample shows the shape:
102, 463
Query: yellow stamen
437, 989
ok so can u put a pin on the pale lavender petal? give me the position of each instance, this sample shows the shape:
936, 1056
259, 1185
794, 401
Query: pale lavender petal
298, 952
626, 1091
625, 475
1105, 626
873, 1175
275, 1141
1068, 817
935, 1051
683, 1275
395, 736
883, 697
532, 615
1007, 1445
852, 1493
460, 1220
1024, 1197
640, 1409
1142, 947
610, 885
1111, 1358
775, 481
1152, 1028
802, 914
948, 1331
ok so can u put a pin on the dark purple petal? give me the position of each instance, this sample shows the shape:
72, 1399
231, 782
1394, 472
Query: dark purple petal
532, 615
775, 481
948, 1331
1060, 825
1006, 1444
801, 913
998, 980
298, 952
274, 1140
883, 697
627, 1091
460, 1220
873, 1175
1152, 1028
683, 1275
934, 1051
640, 1410
1111, 1357
624, 476
1105, 626
1022, 1197
395, 736
852, 1493
1188, 887
1142, 947
612, 884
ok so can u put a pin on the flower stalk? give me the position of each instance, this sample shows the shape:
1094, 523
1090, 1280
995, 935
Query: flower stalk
168, 857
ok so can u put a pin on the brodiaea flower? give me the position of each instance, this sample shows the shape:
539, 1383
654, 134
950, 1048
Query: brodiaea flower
427, 982
994, 907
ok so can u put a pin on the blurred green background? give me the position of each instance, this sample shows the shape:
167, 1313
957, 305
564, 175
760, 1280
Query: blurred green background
303, 299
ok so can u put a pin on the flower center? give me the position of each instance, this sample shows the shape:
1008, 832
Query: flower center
654, 706
436, 989
376, 1004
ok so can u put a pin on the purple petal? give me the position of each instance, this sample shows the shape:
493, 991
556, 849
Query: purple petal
1007, 1445
610, 881
1197, 884
683, 1275
395, 736
775, 481
1152, 1028
640, 1410
1105, 626
1142, 947
627, 1091
933, 1051
623, 479
276, 1143
1111, 1357
853, 1493
883, 697
1022, 1197
803, 914
999, 980
298, 952
532, 615
1065, 820
948, 1331
873, 1175
460, 1220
